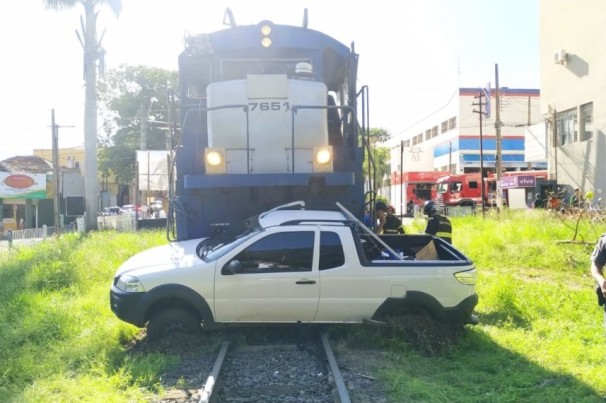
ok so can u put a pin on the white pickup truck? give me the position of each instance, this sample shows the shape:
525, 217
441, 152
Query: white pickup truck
289, 266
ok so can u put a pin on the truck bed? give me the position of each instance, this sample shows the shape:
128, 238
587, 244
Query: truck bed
414, 247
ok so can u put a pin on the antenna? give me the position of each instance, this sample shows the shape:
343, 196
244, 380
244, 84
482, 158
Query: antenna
228, 18
305, 18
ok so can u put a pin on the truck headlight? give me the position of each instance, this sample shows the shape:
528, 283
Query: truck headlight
322, 159
129, 284
467, 277
214, 160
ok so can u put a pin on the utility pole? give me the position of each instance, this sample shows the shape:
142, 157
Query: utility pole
555, 145
401, 176
450, 158
56, 179
481, 112
55, 145
497, 125
143, 139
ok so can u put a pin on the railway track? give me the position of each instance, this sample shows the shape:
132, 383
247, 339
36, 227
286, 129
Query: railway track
277, 373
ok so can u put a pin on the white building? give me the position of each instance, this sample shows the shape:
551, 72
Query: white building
450, 139
573, 91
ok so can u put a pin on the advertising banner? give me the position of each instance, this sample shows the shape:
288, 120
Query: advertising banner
22, 186
521, 181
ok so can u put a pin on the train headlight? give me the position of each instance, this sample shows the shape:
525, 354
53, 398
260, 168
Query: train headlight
266, 42
322, 157
265, 28
214, 160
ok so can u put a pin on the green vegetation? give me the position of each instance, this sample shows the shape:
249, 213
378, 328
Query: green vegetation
60, 341
540, 337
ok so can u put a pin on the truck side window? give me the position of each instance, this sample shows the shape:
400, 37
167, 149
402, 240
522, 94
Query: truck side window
456, 187
283, 252
331, 251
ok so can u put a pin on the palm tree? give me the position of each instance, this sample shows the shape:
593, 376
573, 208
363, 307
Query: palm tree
92, 53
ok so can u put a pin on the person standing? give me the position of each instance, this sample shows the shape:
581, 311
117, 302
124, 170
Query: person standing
575, 199
598, 260
437, 224
538, 202
388, 223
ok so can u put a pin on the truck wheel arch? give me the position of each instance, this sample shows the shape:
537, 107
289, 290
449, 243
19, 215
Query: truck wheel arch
415, 302
171, 296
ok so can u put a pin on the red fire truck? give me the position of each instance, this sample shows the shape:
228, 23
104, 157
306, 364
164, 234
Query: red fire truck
466, 189
417, 186
463, 190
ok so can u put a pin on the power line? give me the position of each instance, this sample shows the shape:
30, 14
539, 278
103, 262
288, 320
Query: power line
431, 114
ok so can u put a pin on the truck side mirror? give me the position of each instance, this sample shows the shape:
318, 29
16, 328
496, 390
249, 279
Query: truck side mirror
232, 267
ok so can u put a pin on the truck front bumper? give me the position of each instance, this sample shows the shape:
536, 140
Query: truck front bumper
124, 305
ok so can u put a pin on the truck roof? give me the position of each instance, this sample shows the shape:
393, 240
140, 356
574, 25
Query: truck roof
281, 217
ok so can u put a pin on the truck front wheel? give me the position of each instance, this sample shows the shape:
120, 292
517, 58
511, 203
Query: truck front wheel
172, 320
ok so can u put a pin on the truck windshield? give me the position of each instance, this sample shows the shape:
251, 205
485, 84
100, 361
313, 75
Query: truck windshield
442, 187
216, 246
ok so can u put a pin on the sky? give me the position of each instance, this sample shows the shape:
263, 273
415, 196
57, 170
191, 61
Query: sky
413, 54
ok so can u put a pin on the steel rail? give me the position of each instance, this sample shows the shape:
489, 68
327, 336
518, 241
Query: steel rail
334, 368
207, 390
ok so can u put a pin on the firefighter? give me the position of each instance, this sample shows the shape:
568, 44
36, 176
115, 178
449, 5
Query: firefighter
388, 223
437, 224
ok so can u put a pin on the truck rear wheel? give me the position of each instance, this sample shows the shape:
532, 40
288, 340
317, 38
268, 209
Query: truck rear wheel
173, 320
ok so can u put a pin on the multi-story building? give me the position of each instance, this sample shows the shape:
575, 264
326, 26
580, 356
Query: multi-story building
453, 140
573, 96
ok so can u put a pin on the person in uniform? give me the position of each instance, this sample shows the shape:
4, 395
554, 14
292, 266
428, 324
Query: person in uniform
437, 224
388, 223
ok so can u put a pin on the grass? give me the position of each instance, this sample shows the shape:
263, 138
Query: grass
540, 337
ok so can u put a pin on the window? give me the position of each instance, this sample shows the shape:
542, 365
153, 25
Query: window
407, 143
566, 125
452, 123
586, 121
473, 185
444, 127
283, 252
434, 131
427, 134
331, 251
196, 77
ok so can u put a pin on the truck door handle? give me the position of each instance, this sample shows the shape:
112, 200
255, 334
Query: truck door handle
306, 282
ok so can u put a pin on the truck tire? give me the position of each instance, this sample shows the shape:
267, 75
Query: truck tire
172, 320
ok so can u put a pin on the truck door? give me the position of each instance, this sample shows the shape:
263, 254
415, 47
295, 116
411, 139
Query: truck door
278, 282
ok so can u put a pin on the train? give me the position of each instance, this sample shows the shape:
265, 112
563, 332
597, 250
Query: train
270, 114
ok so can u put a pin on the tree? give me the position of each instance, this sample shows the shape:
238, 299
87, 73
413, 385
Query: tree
92, 53
380, 157
135, 99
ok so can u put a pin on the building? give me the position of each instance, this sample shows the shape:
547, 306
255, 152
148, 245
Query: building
27, 193
573, 96
110, 192
450, 139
